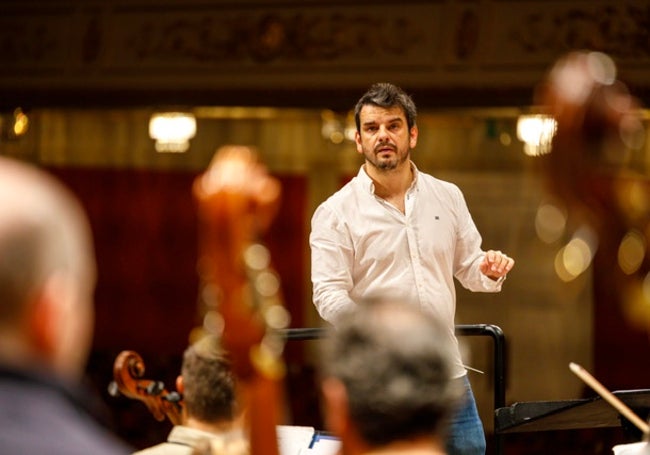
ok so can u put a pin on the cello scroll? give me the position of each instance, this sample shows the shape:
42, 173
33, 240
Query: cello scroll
128, 370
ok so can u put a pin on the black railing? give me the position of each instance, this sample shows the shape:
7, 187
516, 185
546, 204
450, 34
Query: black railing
493, 331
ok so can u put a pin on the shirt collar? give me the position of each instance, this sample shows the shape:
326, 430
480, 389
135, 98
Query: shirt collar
368, 184
191, 437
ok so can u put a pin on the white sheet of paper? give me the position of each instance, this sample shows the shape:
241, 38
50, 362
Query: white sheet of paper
637, 448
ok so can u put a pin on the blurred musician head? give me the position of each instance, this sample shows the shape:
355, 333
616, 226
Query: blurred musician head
47, 280
387, 380
47, 273
207, 385
208, 420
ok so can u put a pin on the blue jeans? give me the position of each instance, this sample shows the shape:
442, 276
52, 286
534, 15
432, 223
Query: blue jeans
466, 435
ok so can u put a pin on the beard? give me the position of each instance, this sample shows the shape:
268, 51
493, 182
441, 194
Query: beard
389, 163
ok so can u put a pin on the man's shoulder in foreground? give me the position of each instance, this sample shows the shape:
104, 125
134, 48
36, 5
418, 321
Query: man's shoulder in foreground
37, 418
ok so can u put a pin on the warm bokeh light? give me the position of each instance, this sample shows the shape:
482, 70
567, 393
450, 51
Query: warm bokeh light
631, 252
337, 128
505, 139
550, 223
636, 303
21, 123
632, 132
633, 198
575, 257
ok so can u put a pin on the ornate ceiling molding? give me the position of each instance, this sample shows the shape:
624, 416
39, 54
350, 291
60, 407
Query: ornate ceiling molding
184, 47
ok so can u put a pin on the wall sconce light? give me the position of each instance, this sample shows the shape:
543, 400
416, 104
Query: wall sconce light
536, 132
172, 131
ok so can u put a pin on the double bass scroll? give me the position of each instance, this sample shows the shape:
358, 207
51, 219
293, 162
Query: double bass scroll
597, 170
237, 201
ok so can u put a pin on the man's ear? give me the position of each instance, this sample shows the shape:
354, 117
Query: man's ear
180, 387
413, 136
43, 322
59, 326
335, 398
357, 141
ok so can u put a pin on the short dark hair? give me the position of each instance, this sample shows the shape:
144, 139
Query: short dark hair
384, 94
395, 362
209, 385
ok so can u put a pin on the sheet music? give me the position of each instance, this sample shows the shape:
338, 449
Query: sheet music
292, 439
323, 446
637, 448
302, 440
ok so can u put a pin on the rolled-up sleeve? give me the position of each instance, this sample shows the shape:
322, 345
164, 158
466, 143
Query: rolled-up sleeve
468, 254
332, 256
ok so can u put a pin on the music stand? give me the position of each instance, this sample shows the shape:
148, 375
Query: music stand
570, 414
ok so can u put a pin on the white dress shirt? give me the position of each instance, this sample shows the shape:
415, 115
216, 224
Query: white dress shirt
362, 247
183, 440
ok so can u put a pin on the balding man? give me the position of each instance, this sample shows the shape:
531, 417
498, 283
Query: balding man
47, 280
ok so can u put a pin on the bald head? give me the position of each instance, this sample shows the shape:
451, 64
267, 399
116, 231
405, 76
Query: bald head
47, 269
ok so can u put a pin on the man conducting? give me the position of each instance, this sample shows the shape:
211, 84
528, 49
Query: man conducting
395, 231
